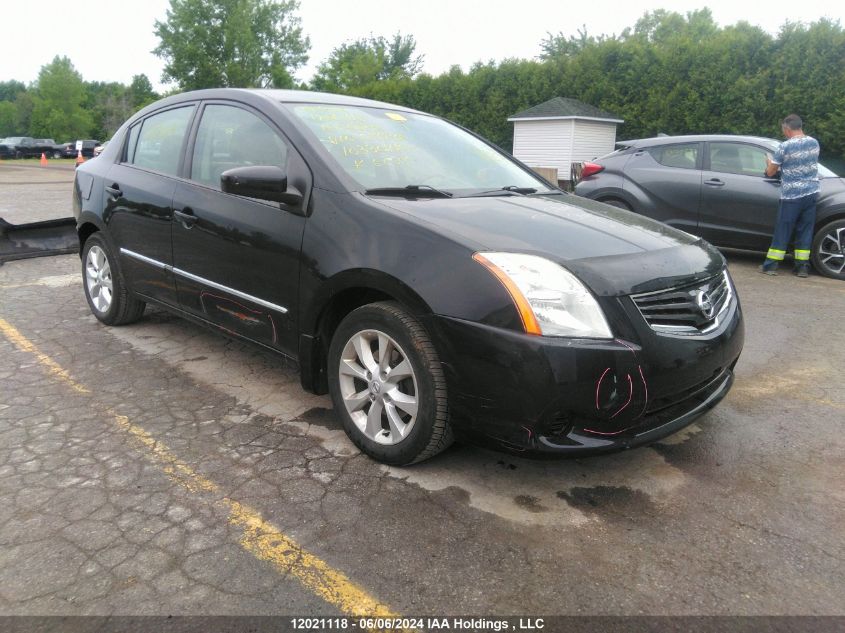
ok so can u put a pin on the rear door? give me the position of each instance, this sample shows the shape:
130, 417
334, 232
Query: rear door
139, 197
666, 180
739, 203
236, 259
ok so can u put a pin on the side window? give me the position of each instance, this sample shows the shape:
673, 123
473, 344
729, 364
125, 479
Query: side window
158, 142
736, 158
230, 137
683, 156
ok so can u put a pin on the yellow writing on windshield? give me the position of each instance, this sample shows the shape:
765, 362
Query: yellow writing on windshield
366, 149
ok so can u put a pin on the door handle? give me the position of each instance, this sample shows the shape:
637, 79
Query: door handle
186, 217
114, 191
714, 182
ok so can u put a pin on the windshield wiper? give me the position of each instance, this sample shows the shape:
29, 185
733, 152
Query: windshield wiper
510, 189
409, 190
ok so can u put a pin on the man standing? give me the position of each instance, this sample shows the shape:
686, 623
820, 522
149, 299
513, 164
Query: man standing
797, 158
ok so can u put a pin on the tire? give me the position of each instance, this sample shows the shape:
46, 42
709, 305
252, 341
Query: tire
616, 202
828, 251
400, 420
57, 154
105, 288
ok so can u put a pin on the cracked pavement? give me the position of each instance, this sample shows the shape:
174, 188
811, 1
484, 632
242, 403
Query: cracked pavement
740, 514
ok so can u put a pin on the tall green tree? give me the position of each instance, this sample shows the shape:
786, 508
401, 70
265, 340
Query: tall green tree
354, 65
8, 119
231, 43
140, 91
560, 45
808, 69
110, 104
10, 89
13, 99
58, 103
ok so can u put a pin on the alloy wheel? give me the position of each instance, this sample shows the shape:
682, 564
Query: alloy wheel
378, 386
832, 250
98, 279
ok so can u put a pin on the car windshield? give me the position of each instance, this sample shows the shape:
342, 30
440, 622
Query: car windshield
386, 150
12, 139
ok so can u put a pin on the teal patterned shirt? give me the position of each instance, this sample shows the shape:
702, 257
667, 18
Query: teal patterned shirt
798, 158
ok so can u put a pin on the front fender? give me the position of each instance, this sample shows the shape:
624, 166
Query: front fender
360, 281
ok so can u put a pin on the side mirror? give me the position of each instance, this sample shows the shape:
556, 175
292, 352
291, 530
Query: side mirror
262, 182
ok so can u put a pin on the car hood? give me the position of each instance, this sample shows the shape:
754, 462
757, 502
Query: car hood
614, 251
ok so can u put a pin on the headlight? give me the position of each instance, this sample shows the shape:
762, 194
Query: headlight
551, 301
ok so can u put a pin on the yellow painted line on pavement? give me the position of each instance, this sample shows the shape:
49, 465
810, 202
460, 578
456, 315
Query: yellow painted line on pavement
23, 344
257, 535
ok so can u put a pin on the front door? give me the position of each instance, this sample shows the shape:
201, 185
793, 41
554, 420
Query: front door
236, 259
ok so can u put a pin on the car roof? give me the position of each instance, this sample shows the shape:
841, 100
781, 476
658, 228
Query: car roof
286, 96
693, 138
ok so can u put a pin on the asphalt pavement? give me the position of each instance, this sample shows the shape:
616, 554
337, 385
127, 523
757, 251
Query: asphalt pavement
160, 469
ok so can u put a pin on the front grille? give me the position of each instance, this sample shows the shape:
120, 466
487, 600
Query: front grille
687, 310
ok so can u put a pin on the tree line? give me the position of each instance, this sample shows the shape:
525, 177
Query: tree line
62, 106
669, 73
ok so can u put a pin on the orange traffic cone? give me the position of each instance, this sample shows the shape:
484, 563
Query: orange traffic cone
43, 159
79, 159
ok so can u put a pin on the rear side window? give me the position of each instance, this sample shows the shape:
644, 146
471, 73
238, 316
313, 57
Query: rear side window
158, 143
230, 137
736, 158
682, 156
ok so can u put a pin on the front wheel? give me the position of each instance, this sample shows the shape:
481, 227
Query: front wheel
105, 289
387, 385
829, 250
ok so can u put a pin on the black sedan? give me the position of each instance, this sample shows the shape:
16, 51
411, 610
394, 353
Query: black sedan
432, 284
714, 186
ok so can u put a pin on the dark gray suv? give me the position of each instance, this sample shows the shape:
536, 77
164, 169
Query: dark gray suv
714, 186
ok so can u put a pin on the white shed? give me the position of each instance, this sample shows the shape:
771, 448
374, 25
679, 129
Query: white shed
562, 131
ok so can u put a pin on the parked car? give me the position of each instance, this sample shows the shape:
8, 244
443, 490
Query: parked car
431, 283
714, 186
17, 147
69, 149
46, 146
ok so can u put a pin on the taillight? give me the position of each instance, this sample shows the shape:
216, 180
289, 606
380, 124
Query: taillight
590, 169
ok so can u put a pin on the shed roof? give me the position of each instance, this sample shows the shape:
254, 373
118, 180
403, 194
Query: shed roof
565, 108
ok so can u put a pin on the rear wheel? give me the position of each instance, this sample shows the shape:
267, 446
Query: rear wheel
105, 289
387, 385
57, 154
828, 252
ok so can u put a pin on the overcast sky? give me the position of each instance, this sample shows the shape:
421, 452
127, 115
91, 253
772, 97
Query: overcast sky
111, 40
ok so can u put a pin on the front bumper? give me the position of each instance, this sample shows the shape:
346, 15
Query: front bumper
546, 395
